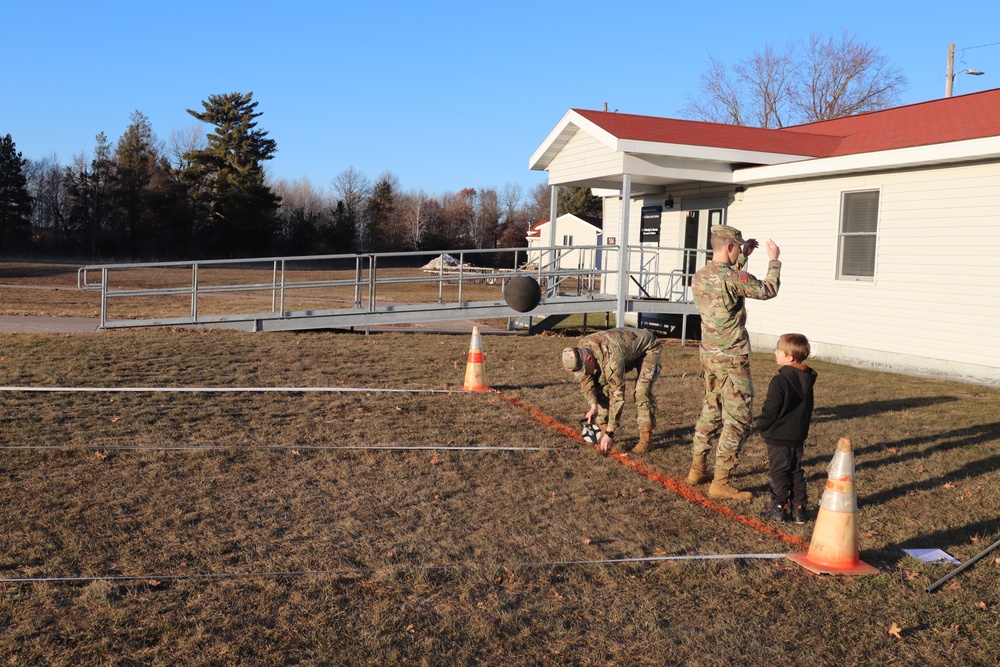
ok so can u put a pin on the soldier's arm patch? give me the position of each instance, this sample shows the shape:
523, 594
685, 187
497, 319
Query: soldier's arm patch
744, 277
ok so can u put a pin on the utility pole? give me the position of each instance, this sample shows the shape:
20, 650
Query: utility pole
949, 79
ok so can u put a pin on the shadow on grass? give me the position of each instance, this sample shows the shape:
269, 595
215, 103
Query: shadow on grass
868, 409
941, 539
959, 438
963, 437
969, 470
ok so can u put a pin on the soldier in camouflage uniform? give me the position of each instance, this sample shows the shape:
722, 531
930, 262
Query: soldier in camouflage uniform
600, 362
720, 288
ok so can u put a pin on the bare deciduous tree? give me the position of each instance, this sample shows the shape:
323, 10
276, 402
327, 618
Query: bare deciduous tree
414, 207
486, 219
824, 78
184, 142
352, 189
537, 208
844, 77
48, 190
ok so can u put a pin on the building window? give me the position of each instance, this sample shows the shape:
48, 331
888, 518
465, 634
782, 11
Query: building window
858, 229
567, 239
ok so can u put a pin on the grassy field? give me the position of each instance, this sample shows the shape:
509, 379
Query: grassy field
264, 529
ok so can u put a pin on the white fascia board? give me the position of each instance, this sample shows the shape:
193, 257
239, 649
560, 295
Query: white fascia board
636, 192
900, 158
706, 152
564, 129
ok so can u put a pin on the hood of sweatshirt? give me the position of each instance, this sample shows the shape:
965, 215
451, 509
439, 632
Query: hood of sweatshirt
800, 377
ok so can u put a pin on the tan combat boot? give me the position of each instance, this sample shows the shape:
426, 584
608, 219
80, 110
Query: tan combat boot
721, 488
699, 472
645, 445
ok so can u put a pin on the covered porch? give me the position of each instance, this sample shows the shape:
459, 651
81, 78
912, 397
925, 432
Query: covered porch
664, 183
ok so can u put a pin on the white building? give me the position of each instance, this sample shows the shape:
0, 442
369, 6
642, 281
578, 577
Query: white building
572, 231
878, 217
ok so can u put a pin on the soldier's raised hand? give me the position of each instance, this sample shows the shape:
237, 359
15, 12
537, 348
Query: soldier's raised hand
773, 251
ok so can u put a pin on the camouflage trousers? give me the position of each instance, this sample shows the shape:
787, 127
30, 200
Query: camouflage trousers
727, 410
645, 403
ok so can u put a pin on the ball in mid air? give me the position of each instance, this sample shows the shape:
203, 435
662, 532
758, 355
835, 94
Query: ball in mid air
522, 293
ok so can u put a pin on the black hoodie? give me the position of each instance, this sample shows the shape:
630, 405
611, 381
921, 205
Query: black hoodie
784, 418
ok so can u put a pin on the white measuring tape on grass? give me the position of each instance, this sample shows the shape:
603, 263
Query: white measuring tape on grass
218, 390
373, 570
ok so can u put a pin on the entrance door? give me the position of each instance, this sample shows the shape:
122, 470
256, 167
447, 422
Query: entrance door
691, 236
698, 225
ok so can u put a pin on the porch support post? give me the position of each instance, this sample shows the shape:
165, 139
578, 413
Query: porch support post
553, 210
623, 250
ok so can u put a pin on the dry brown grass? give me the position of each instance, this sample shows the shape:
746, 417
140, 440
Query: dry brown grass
438, 551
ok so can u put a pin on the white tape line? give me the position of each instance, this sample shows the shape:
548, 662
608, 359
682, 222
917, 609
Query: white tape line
372, 570
440, 448
238, 389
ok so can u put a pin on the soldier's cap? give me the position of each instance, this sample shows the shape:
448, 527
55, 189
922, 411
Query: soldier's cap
572, 359
727, 233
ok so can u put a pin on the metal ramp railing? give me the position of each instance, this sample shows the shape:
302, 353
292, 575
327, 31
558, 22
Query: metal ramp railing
331, 291
322, 291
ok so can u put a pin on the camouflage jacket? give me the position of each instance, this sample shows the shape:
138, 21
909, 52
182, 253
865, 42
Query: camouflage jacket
615, 350
719, 293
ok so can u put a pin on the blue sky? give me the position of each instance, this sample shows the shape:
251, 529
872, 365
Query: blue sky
445, 95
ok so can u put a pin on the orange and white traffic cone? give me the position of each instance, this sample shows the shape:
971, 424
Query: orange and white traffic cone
834, 545
475, 369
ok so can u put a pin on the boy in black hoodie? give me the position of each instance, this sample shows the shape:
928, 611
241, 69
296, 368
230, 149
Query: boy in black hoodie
784, 425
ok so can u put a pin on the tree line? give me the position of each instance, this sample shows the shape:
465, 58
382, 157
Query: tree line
207, 195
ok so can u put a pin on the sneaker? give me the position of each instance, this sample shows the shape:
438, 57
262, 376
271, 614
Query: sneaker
775, 512
799, 514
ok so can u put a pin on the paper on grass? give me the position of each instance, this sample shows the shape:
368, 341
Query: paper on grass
932, 556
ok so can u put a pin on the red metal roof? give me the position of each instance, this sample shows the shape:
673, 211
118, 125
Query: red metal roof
938, 121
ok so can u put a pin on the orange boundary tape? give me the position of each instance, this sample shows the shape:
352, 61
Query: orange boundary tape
680, 487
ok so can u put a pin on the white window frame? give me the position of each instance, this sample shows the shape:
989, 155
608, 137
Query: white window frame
847, 257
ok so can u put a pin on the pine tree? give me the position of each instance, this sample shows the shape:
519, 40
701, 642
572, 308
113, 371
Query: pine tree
579, 201
135, 160
380, 208
227, 176
87, 187
15, 202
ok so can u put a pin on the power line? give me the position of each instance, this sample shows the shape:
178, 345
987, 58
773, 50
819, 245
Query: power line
966, 48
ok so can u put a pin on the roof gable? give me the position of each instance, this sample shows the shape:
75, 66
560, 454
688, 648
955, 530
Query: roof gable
535, 231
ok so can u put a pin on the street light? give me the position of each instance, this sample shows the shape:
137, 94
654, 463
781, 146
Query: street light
950, 78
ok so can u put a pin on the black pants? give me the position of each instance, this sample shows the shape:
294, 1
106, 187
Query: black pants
787, 474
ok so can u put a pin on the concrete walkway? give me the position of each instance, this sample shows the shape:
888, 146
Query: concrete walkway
15, 324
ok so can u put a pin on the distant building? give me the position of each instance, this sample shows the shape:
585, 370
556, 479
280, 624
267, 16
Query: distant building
572, 231
883, 219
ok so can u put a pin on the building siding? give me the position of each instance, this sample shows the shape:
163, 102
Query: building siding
931, 299
583, 156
